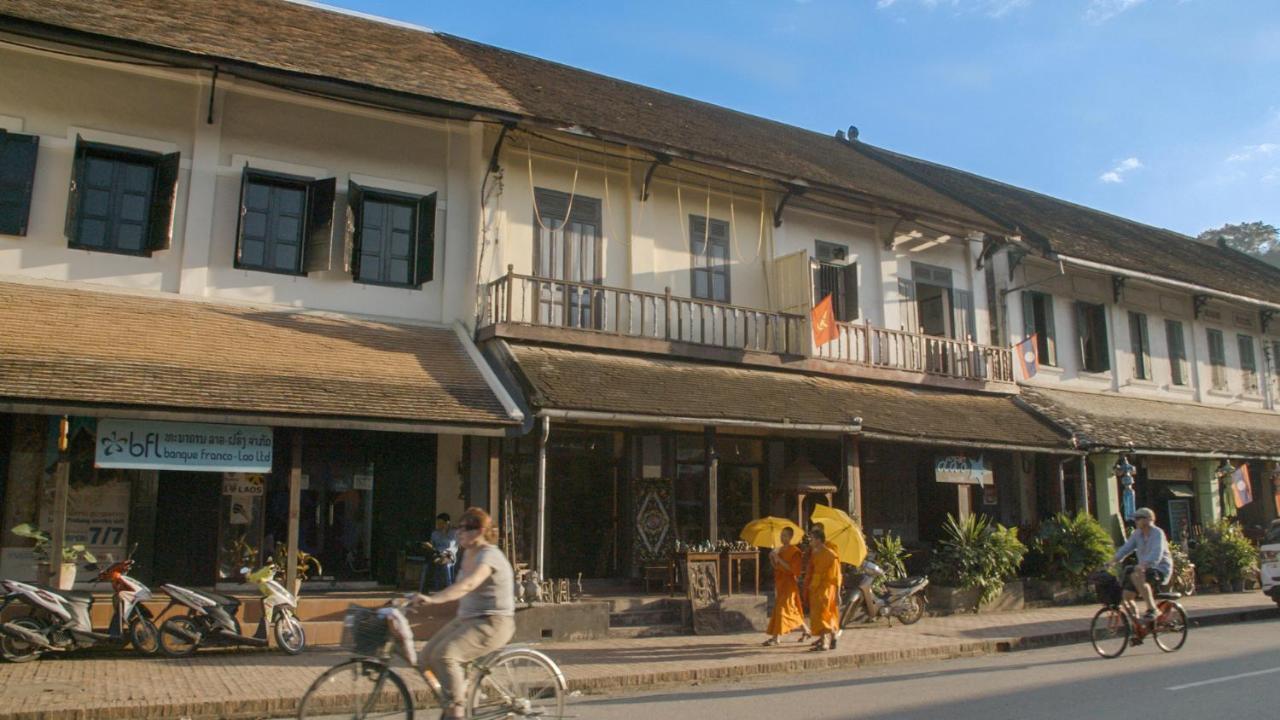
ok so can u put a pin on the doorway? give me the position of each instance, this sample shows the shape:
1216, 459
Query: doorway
187, 528
582, 490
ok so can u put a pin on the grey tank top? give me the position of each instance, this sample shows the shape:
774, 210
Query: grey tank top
496, 595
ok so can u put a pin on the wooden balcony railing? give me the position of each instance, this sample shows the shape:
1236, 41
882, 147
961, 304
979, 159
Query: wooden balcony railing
529, 300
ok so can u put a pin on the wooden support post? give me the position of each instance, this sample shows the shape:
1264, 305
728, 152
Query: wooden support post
964, 499
1084, 485
853, 476
295, 510
493, 488
58, 535
713, 483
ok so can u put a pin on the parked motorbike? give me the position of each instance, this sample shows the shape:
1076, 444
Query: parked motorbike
902, 599
60, 620
211, 618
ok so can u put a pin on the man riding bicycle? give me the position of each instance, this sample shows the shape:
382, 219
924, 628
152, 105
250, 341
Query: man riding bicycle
1155, 564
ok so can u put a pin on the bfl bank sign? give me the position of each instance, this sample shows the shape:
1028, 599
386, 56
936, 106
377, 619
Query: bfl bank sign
201, 447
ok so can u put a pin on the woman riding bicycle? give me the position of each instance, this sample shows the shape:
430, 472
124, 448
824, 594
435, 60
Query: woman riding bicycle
486, 610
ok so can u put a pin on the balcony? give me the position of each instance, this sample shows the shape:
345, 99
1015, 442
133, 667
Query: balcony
537, 308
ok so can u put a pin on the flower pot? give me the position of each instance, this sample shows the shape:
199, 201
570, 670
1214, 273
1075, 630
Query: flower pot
67, 576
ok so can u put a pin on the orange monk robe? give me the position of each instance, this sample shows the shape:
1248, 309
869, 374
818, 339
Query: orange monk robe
787, 612
824, 591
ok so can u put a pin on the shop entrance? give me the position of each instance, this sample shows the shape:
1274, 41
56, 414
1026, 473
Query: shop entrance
187, 528
582, 506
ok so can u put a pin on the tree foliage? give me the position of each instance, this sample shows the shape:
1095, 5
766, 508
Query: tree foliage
1253, 238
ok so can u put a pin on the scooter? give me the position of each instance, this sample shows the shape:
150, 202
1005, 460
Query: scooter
211, 618
59, 619
902, 599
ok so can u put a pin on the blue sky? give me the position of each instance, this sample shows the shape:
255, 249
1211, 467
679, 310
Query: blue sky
1165, 111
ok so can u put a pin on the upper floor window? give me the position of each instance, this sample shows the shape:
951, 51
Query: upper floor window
1217, 360
1091, 326
121, 199
709, 243
17, 175
1177, 352
566, 237
1248, 364
286, 222
1140, 344
834, 275
1037, 319
390, 236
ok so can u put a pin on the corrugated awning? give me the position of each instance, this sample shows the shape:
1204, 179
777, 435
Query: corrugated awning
111, 353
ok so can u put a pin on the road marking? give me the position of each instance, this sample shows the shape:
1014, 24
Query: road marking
1224, 679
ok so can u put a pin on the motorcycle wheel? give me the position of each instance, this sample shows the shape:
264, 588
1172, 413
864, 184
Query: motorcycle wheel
174, 642
290, 636
20, 651
912, 611
144, 635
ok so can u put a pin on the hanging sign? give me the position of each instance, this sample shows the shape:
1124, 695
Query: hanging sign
243, 484
147, 445
962, 470
1168, 468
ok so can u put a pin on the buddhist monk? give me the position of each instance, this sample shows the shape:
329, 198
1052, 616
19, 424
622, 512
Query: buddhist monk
788, 614
824, 590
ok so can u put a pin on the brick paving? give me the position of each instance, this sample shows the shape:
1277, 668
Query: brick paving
252, 684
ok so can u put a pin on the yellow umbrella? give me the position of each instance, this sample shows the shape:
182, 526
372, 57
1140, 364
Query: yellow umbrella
766, 532
843, 532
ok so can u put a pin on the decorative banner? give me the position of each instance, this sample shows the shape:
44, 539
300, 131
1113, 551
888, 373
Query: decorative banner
147, 445
963, 470
824, 323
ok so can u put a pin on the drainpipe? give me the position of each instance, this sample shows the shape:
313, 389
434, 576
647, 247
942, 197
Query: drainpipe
541, 538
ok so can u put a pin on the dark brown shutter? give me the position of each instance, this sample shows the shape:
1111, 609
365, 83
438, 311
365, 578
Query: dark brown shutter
849, 279
245, 178
17, 176
355, 213
72, 229
426, 250
163, 198
318, 254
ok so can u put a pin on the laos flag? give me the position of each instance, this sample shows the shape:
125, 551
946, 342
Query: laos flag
1241, 487
1027, 357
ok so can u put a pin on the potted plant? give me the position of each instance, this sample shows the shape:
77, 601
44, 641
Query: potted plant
891, 556
70, 553
1225, 554
1066, 549
977, 556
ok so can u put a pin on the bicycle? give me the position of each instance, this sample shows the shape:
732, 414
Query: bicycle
514, 682
1116, 625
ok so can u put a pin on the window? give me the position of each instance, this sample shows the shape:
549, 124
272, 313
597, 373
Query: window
1091, 325
1275, 359
121, 199
1037, 319
833, 275
1248, 364
1217, 360
1177, 352
17, 174
1140, 345
567, 246
286, 222
709, 243
390, 236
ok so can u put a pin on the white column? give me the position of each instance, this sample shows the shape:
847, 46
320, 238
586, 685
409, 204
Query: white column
202, 182
458, 222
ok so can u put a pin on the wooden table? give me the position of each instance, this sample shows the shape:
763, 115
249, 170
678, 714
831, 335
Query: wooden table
733, 562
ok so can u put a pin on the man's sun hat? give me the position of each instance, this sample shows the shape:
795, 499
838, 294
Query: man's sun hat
1147, 513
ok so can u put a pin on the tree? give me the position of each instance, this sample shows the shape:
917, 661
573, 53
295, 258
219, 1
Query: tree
1255, 238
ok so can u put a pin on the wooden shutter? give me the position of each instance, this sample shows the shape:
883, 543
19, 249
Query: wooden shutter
317, 253
72, 229
1050, 331
907, 305
17, 177
164, 195
849, 283
962, 315
244, 191
426, 250
1028, 314
355, 211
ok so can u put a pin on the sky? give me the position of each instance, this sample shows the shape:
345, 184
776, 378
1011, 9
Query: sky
1164, 111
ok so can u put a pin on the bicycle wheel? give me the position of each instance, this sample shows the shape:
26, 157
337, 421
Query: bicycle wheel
518, 683
1171, 627
357, 688
1110, 632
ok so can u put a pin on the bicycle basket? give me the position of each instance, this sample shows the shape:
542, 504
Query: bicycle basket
1107, 588
363, 631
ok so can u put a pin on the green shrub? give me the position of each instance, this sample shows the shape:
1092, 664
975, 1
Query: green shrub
891, 556
977, 554
1224, 552
1069, 547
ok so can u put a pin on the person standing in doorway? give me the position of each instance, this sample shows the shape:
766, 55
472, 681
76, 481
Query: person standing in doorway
824, 589
445, 542
788, 613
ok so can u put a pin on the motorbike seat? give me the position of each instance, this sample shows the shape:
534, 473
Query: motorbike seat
903, 583
222, 599
1168, 595
78, 596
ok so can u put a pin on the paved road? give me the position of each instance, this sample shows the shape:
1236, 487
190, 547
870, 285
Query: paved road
1230, 672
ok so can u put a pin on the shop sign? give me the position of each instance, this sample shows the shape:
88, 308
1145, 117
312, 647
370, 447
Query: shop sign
963, 470
362, 482
147, 445
242, 484
1168, 468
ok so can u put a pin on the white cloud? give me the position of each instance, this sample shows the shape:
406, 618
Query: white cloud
990, 8
1100, 11
1249, 152
1117, 173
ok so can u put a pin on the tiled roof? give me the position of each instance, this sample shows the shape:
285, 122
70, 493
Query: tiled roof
322, 43
1076, 231
62, 345
566, 379
1113, 421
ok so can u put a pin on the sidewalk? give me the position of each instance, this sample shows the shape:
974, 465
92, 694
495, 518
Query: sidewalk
254, 684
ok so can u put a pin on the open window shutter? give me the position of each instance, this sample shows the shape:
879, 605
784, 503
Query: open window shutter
17, 174
962, 314
1082, 331
244, 192
318, 254
355, 208
1051, 331
426, 240
849, 281
163, 198
1028, 314
815, 287
907, 305
1100, 342
72, 230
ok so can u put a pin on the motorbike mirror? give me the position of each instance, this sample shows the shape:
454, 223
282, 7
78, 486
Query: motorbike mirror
244, 571
132, 550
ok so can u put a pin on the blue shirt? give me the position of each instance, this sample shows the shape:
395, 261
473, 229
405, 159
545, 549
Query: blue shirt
1152, 549
445, 541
